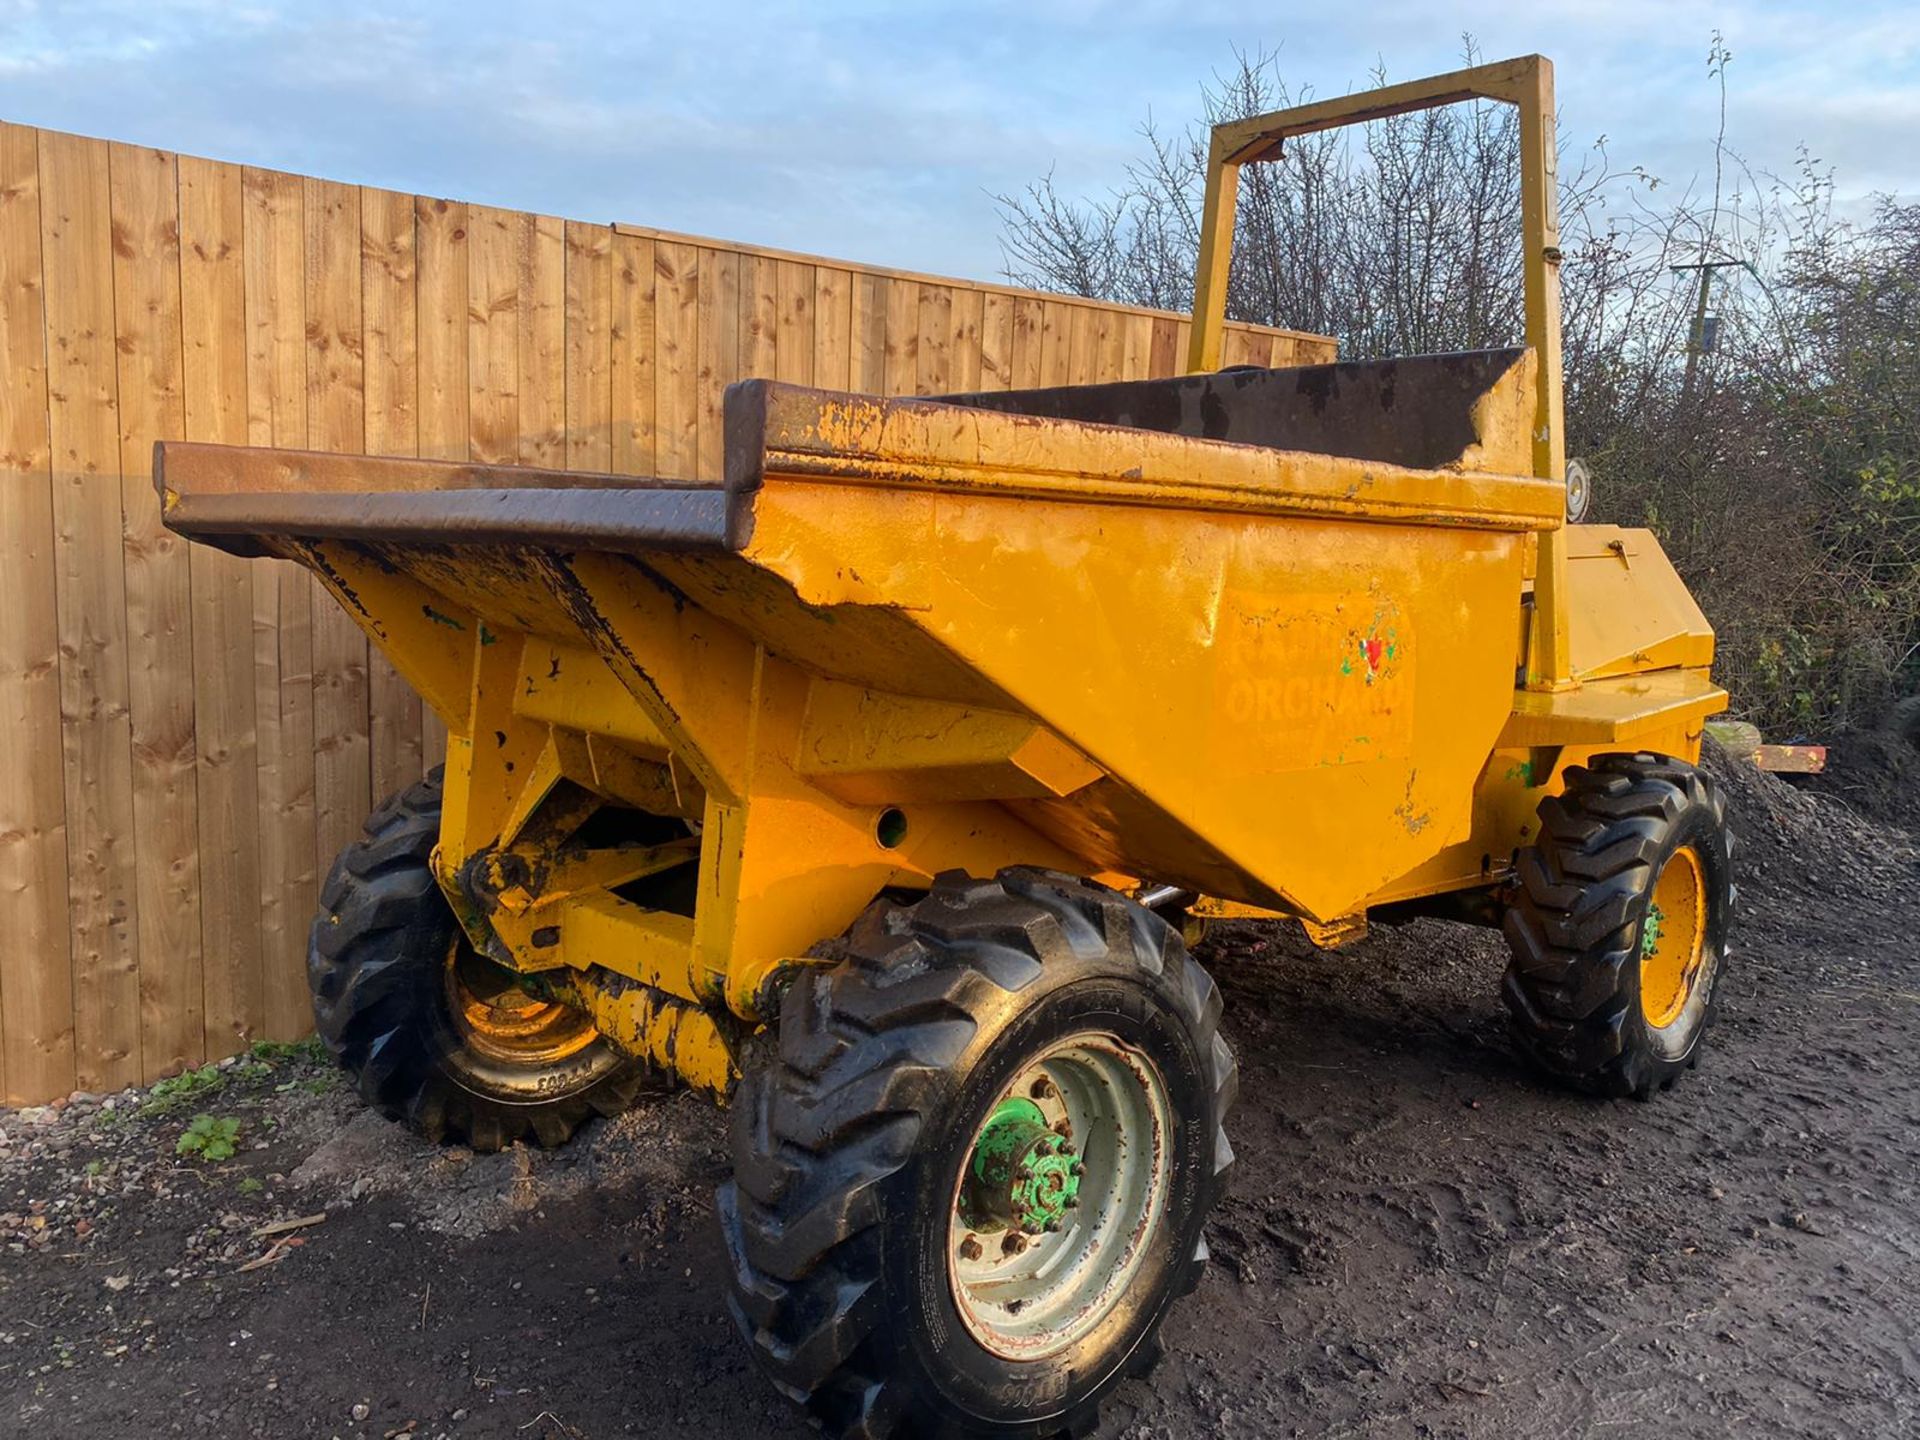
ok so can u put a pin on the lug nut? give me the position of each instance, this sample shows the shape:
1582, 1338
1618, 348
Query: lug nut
1079, 1167
970, 1248
1073, 1202
1013, 1244
1041, 1089
1053, 1227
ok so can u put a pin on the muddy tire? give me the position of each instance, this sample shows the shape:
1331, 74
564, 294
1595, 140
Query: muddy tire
860, 1137
1618, 927
395, 992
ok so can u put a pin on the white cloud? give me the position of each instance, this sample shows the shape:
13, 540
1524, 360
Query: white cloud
879, 130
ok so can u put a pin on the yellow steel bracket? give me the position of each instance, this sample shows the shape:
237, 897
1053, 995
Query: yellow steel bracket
1526, 82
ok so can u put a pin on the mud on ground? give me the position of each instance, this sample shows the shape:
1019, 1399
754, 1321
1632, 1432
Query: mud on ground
1422, 1240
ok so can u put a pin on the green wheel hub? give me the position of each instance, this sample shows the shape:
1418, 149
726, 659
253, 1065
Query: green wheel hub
1022, 1175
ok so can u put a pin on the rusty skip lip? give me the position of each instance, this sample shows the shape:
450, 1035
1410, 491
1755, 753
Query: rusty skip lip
235, 497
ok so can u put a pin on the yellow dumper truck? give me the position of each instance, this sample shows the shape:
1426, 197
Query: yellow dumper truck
880, 788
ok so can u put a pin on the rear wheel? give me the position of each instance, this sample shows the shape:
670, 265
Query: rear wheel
972, 1169
1619, 925
432, 1032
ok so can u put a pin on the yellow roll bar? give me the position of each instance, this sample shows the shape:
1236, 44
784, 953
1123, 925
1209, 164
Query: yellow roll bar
1526, 82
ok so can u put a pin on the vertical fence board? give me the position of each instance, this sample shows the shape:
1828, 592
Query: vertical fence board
146, 304
633, 393
1056, 342
794, 285
1136, 352
1029, 331
867, 324
96, 731
589, 327
213, 318
1163, 354
494, 247
676, 359
336, 422
719, 337
389, 360
963, 350
759, 318
36, 986
832, 328
933, 358
996, 341
541, 336
442, 309
903, 337
274, 231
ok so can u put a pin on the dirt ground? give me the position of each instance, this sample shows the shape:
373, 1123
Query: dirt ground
1423, 1240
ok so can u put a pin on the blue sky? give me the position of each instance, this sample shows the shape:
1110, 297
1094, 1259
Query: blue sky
880, 132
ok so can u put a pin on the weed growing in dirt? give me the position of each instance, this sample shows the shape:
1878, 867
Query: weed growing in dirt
182, 1090
209, 1139
274, 1052
252, 1185
193, 1087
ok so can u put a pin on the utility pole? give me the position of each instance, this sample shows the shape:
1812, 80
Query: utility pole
1697, 337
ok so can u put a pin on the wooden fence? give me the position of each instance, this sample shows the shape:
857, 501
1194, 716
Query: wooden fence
186, 739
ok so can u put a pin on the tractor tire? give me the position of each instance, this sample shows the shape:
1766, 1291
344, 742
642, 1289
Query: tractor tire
433, 1035
885, 1273
1618, 927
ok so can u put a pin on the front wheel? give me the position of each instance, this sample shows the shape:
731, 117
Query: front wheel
971, 1172
1618, 926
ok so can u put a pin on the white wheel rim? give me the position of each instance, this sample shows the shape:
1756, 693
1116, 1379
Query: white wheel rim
1023, 1295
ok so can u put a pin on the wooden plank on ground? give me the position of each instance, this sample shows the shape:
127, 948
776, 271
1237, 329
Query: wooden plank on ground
389, 323
442, 320
336, 422
676, 358
590, 346
213, 317
542, 339
36, 973
1791, 759
494, 247
166, 827
719, 352
274, 226
84, 434
794, 285
634, 381
832, 328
